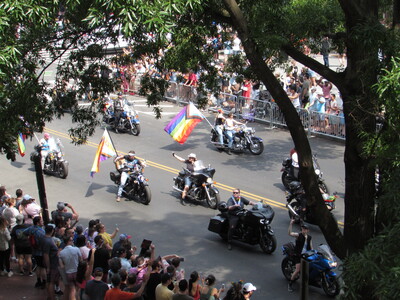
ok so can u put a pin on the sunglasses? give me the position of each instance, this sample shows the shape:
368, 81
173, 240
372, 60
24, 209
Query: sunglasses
236, 192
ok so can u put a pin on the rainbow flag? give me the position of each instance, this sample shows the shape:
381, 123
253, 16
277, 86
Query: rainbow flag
184, 122
21, 144
105, 150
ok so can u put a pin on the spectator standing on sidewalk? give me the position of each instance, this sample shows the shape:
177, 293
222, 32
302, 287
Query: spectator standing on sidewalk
96, 288
61, 216
70, 257
5, 238
23, 249
183, 291
50, 260
325, 49
101, 256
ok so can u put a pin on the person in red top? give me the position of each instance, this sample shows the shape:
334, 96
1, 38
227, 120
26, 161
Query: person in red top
116, 294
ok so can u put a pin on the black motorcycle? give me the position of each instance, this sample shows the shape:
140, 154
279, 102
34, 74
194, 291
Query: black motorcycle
136, 186
54, 163
287, 178
243, 139
202, 187
253, 226
297, 203
128, 122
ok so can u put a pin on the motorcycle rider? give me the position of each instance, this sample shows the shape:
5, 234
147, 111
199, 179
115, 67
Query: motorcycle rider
190, 166
230, 123
235, 203
303, 244
44, 143
294, 168
219, 126
118, 109
127, 166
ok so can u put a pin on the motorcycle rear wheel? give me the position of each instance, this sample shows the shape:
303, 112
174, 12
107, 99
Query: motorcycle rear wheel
63, 170
330, 286
135, 130
323, 187
214, 199
288, 267
257, 147
268, 243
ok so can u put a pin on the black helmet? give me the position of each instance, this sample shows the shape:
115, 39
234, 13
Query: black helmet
222, 207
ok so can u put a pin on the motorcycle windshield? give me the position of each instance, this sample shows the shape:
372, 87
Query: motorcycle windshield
198, 165
53, 145
326, 252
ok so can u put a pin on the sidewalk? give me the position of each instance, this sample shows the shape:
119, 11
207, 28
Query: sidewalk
19, 287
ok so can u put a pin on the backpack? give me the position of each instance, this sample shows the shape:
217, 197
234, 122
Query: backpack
33, 242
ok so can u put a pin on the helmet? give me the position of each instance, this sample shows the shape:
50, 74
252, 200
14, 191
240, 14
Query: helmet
249, 287
46, 135
192, 155
222, 206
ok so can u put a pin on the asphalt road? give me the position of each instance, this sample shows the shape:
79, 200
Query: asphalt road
172, 226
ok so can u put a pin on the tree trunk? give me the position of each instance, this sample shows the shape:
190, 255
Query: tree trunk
324, 218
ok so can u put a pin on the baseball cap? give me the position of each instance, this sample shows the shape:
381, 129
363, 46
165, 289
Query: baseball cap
305, 226
98, 270
27, 197
123, 237
60, 205
249, 287
19, 219
192, 155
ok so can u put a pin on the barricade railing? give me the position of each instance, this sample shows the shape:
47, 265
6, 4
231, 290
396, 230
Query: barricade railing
264, 111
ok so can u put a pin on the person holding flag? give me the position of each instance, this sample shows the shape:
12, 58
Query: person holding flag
190, 166
126, 164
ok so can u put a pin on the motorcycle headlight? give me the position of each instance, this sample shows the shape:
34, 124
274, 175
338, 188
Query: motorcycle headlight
209, 180
318, 172
333, 264
59, 155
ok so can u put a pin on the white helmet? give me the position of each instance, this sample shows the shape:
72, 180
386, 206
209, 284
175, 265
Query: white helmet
192, 155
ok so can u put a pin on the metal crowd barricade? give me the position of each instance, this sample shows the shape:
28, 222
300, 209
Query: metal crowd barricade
172, 92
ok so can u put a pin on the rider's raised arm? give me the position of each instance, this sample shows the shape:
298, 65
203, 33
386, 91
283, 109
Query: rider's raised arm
290, 232
178, 157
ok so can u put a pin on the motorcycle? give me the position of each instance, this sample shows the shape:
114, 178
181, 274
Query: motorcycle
202, 187
253, 226
321, 265
297, 203
128, 122
286, 178
136, 187
243, 139
54, 162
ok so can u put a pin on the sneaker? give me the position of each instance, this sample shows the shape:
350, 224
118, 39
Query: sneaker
289, 287
21, 273
9, 274
30, 274
3, 273
59, 292
118, 199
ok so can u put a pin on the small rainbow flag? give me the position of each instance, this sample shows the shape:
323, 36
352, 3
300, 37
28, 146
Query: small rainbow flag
184, 122
21, 144
105, 150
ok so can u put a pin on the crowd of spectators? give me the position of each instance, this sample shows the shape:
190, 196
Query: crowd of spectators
85, 263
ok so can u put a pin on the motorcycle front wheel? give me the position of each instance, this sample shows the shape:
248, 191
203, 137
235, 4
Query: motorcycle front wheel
145, 195
63, 170
256, 147
288, 267
268, 243
330, 286
323, 188
214, 198
285, 179
135, 129
296, 206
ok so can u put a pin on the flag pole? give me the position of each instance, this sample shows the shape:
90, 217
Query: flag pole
209, 123
116, 152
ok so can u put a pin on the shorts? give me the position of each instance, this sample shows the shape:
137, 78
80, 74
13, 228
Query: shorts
53, 275
23, 250
71, 278
39, 261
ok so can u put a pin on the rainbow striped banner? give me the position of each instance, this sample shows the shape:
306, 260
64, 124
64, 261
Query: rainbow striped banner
21, 144
184, 122
105, 150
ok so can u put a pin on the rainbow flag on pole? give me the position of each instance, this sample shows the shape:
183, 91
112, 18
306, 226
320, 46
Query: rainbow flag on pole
184, 122
105, 150
21, 144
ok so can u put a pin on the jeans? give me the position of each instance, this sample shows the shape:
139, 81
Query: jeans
233, 220
220, 130
229, 134
326, 59
5, 260
124, 177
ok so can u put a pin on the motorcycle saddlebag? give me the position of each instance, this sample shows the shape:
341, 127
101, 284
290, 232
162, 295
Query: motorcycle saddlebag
115, 176
216, 224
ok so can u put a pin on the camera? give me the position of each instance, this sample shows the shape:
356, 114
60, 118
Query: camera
66, 204
181, 258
